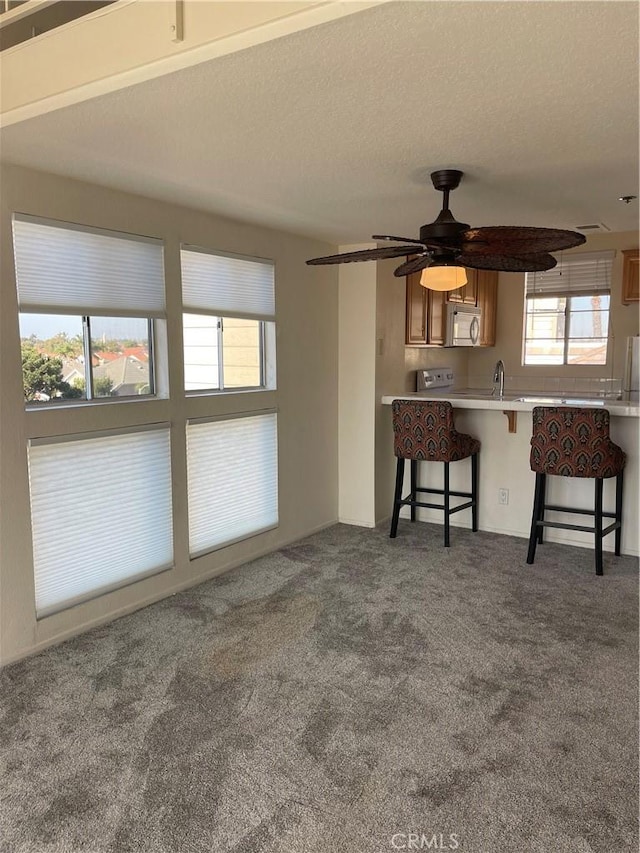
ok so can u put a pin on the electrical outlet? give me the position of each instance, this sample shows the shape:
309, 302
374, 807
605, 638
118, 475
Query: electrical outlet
503, 496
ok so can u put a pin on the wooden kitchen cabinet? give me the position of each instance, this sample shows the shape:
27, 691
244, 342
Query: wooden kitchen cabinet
416, 318
426, 309
487, 299
630, 280
436, 313
467, 294
425, 314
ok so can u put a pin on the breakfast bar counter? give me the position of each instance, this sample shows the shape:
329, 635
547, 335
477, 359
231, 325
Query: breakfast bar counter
505, 471
519, 401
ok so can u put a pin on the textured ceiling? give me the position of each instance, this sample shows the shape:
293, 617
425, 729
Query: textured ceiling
333, 131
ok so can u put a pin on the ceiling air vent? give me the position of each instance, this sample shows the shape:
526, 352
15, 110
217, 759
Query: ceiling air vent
590, 229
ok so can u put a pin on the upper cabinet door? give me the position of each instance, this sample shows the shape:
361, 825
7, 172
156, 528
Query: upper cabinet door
630, 279
487, 299
466, 294
416, 321
435, 317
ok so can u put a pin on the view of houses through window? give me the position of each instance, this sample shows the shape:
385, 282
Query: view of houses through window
83, 358
567, 330
567, 311
222, 352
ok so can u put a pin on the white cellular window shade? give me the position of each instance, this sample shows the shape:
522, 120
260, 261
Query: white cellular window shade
232, 470
101, 513
63, 268
224, 284
583, 274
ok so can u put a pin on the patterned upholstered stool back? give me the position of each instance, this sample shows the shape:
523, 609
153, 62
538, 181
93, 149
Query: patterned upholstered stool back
573, 442
423, 430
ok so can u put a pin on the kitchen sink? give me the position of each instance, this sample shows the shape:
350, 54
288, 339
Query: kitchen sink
556, 401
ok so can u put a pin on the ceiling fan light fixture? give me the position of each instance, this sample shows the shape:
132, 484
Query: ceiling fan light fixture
443, 277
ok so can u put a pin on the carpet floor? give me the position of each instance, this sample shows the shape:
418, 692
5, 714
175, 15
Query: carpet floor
347, 693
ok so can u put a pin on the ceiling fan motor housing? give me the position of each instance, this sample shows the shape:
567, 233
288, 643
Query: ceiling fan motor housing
445, 228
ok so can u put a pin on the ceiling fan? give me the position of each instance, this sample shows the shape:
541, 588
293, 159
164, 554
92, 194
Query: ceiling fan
449, 243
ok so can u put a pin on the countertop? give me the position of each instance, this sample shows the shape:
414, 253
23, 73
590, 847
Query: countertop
517, 401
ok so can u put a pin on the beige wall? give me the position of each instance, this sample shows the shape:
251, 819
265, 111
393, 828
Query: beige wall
390, 373
357, 391
306, 398
623, 323
419, 358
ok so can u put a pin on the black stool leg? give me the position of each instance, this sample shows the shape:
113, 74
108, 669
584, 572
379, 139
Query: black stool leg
543, 492
414, 485
618, 533
598, 524
533, 538
474, 492
446, 505
397, 497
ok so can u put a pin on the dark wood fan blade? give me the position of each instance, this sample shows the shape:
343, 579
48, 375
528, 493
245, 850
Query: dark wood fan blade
413, 265
365, 255
396, 239
508, 240
529, 263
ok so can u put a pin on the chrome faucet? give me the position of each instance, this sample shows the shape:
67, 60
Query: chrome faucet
498, 378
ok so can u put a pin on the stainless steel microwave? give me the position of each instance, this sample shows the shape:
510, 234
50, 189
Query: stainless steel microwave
463, 325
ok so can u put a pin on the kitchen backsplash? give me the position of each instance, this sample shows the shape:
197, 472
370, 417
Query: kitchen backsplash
611, 388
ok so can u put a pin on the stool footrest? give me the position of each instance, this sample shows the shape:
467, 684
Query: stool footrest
408, 502
554, 508
562, 526
442, 492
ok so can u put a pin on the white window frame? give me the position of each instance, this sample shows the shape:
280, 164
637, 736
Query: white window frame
578, 275
90, 396
38, 295
260, 309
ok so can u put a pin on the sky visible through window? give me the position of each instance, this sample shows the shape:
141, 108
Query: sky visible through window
45, 326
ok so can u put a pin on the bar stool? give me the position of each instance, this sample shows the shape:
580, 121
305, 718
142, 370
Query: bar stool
574, 442
424, 432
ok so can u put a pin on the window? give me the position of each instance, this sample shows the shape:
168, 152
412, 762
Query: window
232, 475
94, 528
228, 324
567, 311
89, 301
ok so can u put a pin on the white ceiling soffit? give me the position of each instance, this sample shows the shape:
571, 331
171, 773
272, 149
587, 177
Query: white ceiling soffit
333, 131
132, 41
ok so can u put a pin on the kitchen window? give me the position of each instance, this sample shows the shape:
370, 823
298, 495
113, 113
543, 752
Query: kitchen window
228, 321
90, 305
567, 311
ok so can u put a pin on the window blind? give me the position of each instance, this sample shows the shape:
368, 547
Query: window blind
100, 512
232, 468
67, 269
582, 274
224, 284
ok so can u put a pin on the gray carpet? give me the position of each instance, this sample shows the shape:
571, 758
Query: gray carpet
337, 696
